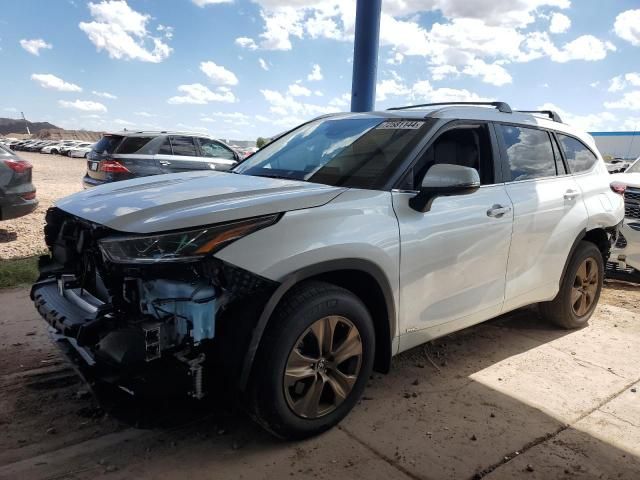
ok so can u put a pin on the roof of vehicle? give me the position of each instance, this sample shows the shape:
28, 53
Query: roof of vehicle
456, 111
144, 133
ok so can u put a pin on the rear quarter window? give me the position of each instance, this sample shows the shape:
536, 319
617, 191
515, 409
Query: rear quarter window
579, 157
107, 144
135, 145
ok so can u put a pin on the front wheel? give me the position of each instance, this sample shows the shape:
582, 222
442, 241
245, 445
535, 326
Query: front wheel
314, 361
580, 289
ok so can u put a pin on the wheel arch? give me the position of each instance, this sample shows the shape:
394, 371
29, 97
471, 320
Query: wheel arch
599, 236
363, 278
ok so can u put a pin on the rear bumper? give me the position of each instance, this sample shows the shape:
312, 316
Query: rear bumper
88, 182
15, 207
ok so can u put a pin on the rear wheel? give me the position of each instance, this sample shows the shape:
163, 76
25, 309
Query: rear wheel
580, 289
314, 361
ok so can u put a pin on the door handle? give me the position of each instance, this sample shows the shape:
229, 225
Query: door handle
497, 211
164, 163
571, 194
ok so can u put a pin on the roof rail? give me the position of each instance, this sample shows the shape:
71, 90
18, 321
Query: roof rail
501, 106
549, 113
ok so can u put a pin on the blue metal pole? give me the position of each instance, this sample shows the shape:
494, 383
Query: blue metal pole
365, 55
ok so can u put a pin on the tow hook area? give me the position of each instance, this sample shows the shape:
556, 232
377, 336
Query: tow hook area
195, 372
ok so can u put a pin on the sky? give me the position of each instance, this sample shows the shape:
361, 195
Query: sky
246, 68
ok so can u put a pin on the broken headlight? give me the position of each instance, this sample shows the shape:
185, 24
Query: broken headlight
182, 246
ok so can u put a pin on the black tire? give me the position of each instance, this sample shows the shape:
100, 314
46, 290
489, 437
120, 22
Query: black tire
561, 310
54, 151
298, 311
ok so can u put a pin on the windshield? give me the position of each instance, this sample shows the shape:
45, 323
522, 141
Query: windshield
635, 167
360, 152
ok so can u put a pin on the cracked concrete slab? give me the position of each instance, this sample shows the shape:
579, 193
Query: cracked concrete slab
490, 400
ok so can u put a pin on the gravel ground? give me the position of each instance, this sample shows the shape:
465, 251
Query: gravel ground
54, 177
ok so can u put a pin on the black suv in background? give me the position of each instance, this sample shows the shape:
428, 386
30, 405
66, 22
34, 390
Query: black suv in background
126, 155
17, 193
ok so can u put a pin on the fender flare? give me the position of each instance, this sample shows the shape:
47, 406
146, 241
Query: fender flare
298, 276
574, 246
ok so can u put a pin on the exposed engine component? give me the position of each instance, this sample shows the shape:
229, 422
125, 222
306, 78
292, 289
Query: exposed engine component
127, 317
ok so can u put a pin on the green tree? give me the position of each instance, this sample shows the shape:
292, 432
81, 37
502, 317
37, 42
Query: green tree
260, 142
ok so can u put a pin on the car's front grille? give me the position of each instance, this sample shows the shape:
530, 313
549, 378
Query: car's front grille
632, 194
632, 202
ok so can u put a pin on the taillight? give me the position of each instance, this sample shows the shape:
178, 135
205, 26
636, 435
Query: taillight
18, 166
618, 188
28, 195
112, 166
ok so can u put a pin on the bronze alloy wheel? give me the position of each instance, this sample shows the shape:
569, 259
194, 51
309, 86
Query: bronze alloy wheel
585, 287
323, 367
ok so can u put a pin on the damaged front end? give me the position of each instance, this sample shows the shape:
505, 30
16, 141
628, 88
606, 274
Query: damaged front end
153, 311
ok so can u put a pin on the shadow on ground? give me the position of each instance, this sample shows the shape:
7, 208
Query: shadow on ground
510, 398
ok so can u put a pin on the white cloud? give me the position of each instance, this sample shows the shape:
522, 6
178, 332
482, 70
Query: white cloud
586, 47
629, 101
316, 74
235, 118
342, 101
199, 94
144, 114
218, 74
490, 73
286, 105
108, 95
47, 80
423, 91
263, 64
297, 90
35, 45
475, 37
10, 109
125, 123
560, 23
627, 26
590, 122
204, 3
621, 82
83, 105
122, 32
246, 42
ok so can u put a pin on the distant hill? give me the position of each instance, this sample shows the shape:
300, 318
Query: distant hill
15, 125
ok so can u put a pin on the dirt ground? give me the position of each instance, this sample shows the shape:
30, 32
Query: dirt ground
55, 177
511, 398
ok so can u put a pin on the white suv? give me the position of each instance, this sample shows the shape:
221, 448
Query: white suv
342, 243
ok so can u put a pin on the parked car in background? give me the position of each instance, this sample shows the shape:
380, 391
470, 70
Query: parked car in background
346, 241
17, 193
625, 256
617, 165
80, 151
53, 148
126, 155
64, 149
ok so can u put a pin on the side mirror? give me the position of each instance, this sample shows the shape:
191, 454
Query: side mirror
444, 180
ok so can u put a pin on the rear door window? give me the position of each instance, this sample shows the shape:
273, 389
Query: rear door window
529, 152
107, 144
578, 155
183, 146
135, 145
212, 149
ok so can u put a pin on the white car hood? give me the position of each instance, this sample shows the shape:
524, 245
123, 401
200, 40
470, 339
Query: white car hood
629, 179
185, 200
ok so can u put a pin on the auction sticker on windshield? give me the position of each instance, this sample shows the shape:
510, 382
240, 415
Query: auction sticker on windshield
400, 125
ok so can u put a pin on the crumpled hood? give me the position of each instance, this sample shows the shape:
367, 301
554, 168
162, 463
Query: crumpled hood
629, 179
185, 200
